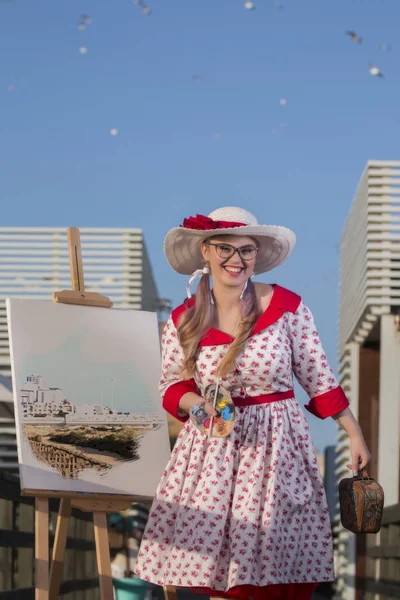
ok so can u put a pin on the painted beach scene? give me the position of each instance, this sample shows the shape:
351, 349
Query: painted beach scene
88, 411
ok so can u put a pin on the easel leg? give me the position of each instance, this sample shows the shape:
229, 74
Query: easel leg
41, 549
103, 555
170, 592
60, 541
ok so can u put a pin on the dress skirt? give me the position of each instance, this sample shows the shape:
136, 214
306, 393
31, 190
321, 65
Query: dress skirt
233, 515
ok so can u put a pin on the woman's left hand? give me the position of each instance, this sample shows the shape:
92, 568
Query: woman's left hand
360, 455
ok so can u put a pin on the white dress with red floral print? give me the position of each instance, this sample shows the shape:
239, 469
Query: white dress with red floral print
250, 508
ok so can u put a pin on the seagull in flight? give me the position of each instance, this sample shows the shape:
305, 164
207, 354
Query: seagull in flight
354, 37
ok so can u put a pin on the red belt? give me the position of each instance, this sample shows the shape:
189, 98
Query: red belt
263, 398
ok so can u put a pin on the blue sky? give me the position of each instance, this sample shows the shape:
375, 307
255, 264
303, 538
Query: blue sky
184, 146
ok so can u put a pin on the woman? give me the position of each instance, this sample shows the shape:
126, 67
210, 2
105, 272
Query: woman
243, 516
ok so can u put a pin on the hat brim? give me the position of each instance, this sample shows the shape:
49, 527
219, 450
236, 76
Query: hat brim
182, 246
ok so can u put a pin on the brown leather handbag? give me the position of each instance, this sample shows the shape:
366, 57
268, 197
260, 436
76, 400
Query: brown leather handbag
361, 503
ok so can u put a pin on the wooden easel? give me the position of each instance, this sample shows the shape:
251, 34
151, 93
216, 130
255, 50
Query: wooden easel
47, 583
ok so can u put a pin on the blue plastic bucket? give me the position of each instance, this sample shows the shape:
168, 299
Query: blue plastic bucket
128, 588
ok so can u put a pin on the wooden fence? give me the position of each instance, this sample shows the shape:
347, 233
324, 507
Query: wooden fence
382, 581
17, 565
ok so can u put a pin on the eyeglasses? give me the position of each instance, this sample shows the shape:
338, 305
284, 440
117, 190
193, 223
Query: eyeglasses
227, 251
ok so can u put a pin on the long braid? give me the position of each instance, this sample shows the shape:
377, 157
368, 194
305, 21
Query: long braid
193, 324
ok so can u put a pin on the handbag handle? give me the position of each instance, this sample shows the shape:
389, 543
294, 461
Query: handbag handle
364, 474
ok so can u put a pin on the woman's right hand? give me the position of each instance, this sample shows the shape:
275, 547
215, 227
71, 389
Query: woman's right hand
190, 399
208, 407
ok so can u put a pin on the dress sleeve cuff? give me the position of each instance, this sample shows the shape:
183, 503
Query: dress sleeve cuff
328, 404
173, 395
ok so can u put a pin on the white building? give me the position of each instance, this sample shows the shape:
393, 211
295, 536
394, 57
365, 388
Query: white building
104, 414
34, 390
88, 411
35, 380
39, 403
369, 341
34, 263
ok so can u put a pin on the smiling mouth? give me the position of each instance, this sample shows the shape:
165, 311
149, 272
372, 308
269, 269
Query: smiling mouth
234, 270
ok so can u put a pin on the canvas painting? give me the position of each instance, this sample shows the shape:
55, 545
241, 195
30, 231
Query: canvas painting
88, 412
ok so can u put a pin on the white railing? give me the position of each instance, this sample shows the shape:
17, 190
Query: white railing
370, 252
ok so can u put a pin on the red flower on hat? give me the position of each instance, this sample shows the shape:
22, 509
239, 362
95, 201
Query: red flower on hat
203, 223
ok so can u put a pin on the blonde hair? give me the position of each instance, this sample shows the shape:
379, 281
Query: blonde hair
197, 319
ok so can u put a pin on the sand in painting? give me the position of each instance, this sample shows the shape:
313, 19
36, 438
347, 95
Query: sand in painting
71, 449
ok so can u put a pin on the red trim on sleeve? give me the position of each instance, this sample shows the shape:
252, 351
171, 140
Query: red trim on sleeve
174, 393
328, 404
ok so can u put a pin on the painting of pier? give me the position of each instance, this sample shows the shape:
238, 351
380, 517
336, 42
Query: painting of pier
88, 412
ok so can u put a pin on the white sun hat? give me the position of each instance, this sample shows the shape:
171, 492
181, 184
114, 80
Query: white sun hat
182, 244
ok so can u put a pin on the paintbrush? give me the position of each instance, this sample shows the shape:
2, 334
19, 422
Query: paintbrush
214, 403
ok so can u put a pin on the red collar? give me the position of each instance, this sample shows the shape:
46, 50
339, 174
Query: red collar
282, 301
